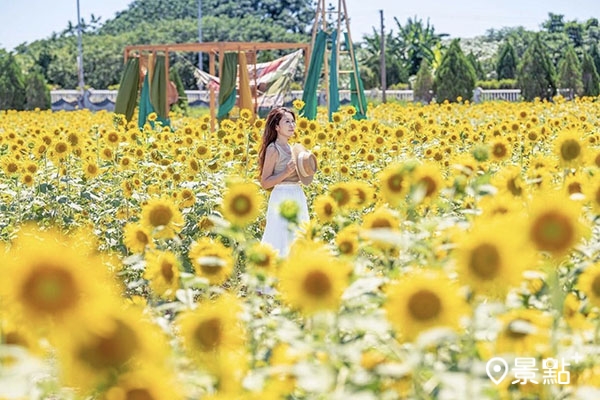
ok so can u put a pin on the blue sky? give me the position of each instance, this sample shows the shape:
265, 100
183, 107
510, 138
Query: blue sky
29, 20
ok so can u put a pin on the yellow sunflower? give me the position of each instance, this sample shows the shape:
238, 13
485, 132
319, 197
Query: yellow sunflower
48, 277
341, 192
262, 258
162, 272
423, 300
554, 224
161, 218
427, 181
491, 258
347, 240
325, 207
524, 332
589, 284
211, 260
570, 148
311, 279
592, 194
393, 185
212, 329
136, 238
242, 203
147, 383
363, 195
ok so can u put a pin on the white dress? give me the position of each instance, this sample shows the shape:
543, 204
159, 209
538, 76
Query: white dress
279, 232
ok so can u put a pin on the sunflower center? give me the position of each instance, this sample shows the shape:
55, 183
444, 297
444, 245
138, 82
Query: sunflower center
328, 209
552, 231
160, 215
341, 196
514, 187
429, 185
166, 269
485, 261
381, 223
424, 305
241, 205
209, 334
141, 237
317, 284
499, 150
112, 349
346, 247
596, 286
210, 268
570, 149
139, 394
394, 183
50, 289
574, 187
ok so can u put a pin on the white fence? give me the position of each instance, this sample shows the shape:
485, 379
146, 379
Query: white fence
105, 99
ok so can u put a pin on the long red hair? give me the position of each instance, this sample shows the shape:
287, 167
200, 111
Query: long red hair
270, 133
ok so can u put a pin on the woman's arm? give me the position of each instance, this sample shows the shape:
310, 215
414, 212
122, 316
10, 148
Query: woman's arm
267, 179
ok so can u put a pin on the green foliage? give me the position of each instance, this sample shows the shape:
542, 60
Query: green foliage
476, 66
423, 90
569, 76
416, 42
497, 84
589, 77
455, 76
595, 54
507, 62
12, 85
37, 94
370, 57
535, 75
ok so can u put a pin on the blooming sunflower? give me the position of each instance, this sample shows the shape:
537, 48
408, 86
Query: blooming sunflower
147, 383
341, 192
570, 148
161, 218
427, 179
554, 225
311, 279
347, 240
242, 203
162, 271
393, 185
589, 283
212, 260
524, 332
325, 207
136, 238
363, 195
491, 257
592, 192
212, 329
262, 258
422, 300
47, 277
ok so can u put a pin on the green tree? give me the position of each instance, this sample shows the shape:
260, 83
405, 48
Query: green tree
506, 67
12, 85
423, 90
455, 76
569, 75
595, 54
535, 75
37, 94
589, 77
416, 42
555, 23
371, 60
476, 66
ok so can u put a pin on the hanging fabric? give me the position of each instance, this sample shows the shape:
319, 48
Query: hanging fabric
158, 87
309, 96
244, 84
334, 90
128, 89
227, 91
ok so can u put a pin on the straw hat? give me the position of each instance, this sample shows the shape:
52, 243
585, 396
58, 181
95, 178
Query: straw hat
306, 163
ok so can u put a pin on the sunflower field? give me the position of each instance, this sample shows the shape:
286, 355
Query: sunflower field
452, 253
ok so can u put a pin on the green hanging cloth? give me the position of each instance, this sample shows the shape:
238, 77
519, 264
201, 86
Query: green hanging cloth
128, 89
357, 91
158, 87
227, 92
309, 95
146, 106
334, 90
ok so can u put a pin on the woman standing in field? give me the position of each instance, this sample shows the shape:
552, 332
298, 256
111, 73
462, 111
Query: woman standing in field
283, 168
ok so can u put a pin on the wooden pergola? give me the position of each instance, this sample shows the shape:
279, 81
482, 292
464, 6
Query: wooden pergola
214, 48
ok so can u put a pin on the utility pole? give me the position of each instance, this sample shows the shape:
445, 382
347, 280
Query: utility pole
79, 54
200, 32
382, 60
